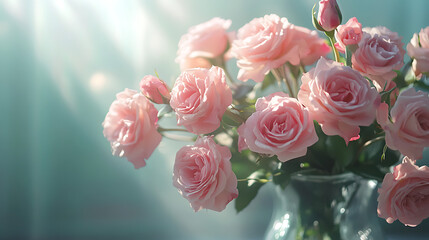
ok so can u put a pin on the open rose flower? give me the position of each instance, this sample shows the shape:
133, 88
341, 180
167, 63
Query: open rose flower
280, 126
379, 53
338, 98
348, 34
408, 129
203, 175
418, 49
264, 44
131, 127
199, 97
404, 195
311, 46
197, 62
206, 40
154, 89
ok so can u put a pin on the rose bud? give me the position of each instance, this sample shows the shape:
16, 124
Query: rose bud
348, 34
155, 89
329, 16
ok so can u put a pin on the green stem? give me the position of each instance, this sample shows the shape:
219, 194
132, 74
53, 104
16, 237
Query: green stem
234, 116
228, 76
221, 63
280, 75
331, 37
302, 68
372, 141
161, 129
254, 179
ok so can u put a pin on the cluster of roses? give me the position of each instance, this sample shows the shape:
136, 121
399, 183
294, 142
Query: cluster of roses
339, 96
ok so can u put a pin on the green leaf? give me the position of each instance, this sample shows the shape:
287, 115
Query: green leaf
314, 19
421, 85
368, 171
340, 152
242, 90
268, 81
282, 176
391, 158
230, 121
244, 163
247, 190
400, 77
371, 153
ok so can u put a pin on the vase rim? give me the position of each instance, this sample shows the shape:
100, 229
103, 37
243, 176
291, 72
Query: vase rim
310, 175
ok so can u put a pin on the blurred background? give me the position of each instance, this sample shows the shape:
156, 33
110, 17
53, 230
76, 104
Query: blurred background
61, 64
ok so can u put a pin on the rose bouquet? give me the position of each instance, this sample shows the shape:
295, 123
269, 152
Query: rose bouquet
360, 112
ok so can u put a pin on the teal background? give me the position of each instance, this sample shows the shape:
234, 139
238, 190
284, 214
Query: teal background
61, 64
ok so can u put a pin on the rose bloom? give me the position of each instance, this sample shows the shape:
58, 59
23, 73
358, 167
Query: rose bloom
197, 62
203, 175
379, 53
404, 195
154, 89
338, 98
328, 16
199, 97
348, 34
418, 49
131, 127
264, 44
280, 126
311, 46
206, 40
408, 129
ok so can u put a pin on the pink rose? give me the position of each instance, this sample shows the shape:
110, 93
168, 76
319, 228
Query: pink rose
206, 40
197, 62
264, 44
408, 129
131, 127
155, 89
418, 49
311, 46
404, 195
379, 53
339, 98
203, 175
280, 126
199, 97
348, 34
329, 16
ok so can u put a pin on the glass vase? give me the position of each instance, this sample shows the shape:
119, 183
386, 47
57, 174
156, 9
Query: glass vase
325, 207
